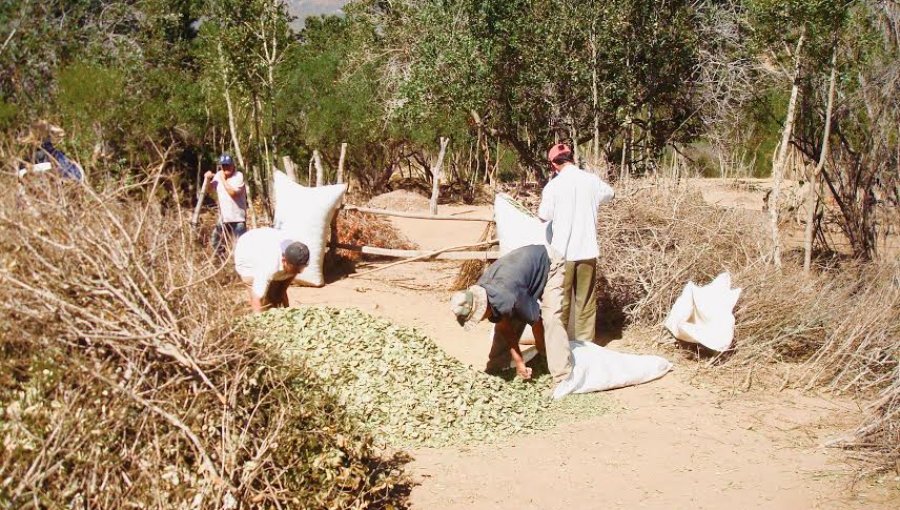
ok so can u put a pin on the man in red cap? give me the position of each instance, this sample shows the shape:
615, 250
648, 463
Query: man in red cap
570, 202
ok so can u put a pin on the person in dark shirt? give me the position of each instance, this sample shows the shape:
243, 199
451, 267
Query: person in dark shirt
508, 295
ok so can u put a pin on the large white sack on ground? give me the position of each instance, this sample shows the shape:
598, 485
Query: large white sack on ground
305, 214
516, 227
705, 315
598, 368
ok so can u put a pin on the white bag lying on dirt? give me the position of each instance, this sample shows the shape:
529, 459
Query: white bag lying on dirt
598, 368
306, 214
705, 315
516, 227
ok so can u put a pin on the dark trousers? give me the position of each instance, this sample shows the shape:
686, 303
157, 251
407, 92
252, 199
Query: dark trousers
227, 230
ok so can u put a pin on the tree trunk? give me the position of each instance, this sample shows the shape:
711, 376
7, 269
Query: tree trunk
340, 169
320, 172
232, 127
626, 149
815, 190
778, 164
600, 168
436, 176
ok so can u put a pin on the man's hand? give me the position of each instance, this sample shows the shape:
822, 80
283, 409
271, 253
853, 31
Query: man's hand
208, 175
255, 303
523, 371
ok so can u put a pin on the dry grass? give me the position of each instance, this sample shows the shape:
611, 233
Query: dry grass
471, 270
123, 385
837, 329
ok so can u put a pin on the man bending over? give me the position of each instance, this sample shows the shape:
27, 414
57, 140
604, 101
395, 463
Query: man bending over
268, 261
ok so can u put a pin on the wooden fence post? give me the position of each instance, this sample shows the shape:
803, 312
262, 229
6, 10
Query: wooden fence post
340, 170
320, 172
436, 175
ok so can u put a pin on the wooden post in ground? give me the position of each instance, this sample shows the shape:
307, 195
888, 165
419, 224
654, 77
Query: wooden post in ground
436, 175
320, 172
340, 169
781, 158
289, 168
812, 199
309, 176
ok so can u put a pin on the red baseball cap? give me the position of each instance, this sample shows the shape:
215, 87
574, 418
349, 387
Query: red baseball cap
558, 150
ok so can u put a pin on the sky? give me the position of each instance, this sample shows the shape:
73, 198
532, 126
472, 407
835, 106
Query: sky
303, 8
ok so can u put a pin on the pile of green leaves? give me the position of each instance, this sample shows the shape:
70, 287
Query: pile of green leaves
407, 390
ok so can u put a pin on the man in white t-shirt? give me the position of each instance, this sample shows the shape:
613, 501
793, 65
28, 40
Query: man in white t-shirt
570, 202
231, 194
268, 261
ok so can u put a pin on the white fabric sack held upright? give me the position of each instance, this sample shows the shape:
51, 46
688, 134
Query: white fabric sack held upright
705, 315
305, 214
516, 227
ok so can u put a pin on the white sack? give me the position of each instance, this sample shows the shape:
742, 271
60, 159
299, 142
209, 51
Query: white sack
598, 368
705, 315
305, 214
516, 227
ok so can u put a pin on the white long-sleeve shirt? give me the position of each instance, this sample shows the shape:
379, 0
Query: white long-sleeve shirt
570, 202
258, 258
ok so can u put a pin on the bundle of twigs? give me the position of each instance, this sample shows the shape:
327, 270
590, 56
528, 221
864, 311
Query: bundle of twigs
364, 229
123, 383
471, 270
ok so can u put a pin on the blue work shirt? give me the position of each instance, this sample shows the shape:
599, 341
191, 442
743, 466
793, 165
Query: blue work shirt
515, 283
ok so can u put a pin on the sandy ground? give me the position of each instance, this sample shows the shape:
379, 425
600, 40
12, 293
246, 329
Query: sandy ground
673, 443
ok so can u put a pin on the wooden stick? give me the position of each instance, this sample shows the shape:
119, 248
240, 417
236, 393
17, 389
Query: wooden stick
385, 212
320, 172
196, 216
389, 252
436, 175
425, 256
340, 170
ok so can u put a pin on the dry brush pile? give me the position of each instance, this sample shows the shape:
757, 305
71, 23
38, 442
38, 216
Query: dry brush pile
122, 383
837, 329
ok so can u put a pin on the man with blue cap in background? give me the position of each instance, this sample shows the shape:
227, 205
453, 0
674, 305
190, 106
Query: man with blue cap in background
231, 194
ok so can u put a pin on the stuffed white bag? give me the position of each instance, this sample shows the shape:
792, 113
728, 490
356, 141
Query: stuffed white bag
516, 227
705, 315
598, 369
305, 214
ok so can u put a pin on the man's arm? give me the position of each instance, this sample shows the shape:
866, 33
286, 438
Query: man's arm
606, 192
257, 290
233, 191
255, 303
545, 210
512, 341
538, 329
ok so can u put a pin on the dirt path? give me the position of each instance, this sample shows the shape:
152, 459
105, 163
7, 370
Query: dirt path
673, 443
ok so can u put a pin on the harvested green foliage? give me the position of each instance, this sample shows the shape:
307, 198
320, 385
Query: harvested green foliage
406, 389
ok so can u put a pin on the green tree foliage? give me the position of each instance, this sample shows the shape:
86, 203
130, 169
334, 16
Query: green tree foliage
527, 67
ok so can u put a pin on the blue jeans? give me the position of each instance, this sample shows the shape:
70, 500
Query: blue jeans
223, 230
